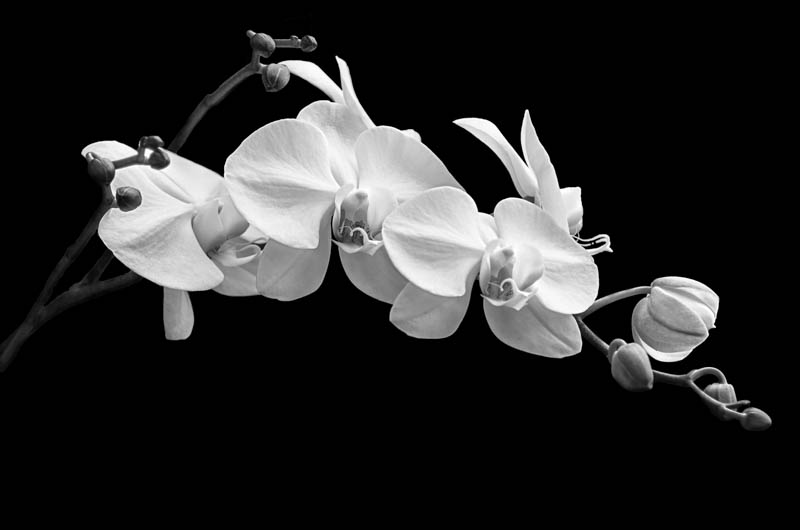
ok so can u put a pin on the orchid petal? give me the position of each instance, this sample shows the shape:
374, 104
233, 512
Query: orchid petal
381, 203
411, 133
350, 98
178, 314
240, 280
534, 329
488, 228
341, 127
286, 273
280, 180
435, 240
389, 159
235, 253
574, 208
207, 226
373, 275
570, 281
423, 315
485, 131
199, 183
539, 161
314, 75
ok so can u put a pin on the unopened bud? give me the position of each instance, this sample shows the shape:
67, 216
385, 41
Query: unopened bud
674, 318
722, 392
308, 44
261, 43
755, 420
630, 367
614, 346
150, 142
275, 77
128, 198
159, 159
100, 169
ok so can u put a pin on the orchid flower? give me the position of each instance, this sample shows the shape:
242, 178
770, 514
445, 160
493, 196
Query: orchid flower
187, 235
535, 177
533, 276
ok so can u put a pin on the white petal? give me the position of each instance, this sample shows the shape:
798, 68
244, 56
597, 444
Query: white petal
350, 98
539, 161
423, 315
574, 208
199, 183
488, 228
411, 133
314, 75
435, 240
534, 329
341, 127
570, 281
178, 314
239, 281
286, 273
389, 159
373, 275
485, 131
280, 180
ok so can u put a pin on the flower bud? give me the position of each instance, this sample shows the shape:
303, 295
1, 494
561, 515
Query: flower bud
630, 367
150, 142
128, 198
101, 170
308, 44
614, 346
262, 44
159, 159
755, 420
275, 77
674, 318
722, 392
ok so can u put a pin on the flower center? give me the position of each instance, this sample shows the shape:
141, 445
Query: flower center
509, 273
501, 262
217, 221
353, 224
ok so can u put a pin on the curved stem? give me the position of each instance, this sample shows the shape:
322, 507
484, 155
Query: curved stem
708, 370
592, 338
615, 297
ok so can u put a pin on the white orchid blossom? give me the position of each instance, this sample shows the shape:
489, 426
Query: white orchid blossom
187, 235
535, 177
533, 276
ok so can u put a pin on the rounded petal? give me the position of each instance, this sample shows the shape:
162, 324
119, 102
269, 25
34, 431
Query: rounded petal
539, 161
239, 281
314, 75
486, 131
389, 159
350, 98
198, 182
411, 133
341, 127
423, 315
570, 281
488, 228
286, 273
373, 275
178, 314
574, 208
280, 180
534, 329
435, 240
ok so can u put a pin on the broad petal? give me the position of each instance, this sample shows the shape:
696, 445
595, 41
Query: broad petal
286, 273
539, 161
411, 133
199, 183
350, 98
280, 180
178, 314
574, 208
423, 315
373, 275
389, 159
534, 329
314, 75
485, 131
435, 240
488, 228
570, 281
341, 127
239, 281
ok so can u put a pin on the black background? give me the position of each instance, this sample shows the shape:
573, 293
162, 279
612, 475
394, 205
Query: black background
661, 119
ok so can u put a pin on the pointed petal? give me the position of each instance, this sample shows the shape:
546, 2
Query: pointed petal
539, 161
574, 208
280, 180
314, 75
485, 131
435, 240
178, 314
423, 315
350, 98
570, 281
534, 329
239, 281
286, 273
389, 159
373, 275
341, 127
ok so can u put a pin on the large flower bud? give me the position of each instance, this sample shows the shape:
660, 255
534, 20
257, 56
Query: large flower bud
630, 367
674, 318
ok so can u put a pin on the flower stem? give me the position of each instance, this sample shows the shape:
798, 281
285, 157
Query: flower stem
615, 297
592, 338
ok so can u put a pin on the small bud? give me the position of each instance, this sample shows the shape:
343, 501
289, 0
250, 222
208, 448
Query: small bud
150, 142
159, 159
630, 367
674, 318
308, 44
614, 346
128, 199
722, 392
101, 170
262, 43
755, 420
275, 77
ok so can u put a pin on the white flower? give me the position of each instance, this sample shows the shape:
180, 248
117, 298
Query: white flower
532, 275
185, 236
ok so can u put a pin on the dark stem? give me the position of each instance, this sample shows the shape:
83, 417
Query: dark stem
592, 338
98, 268
615, 297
